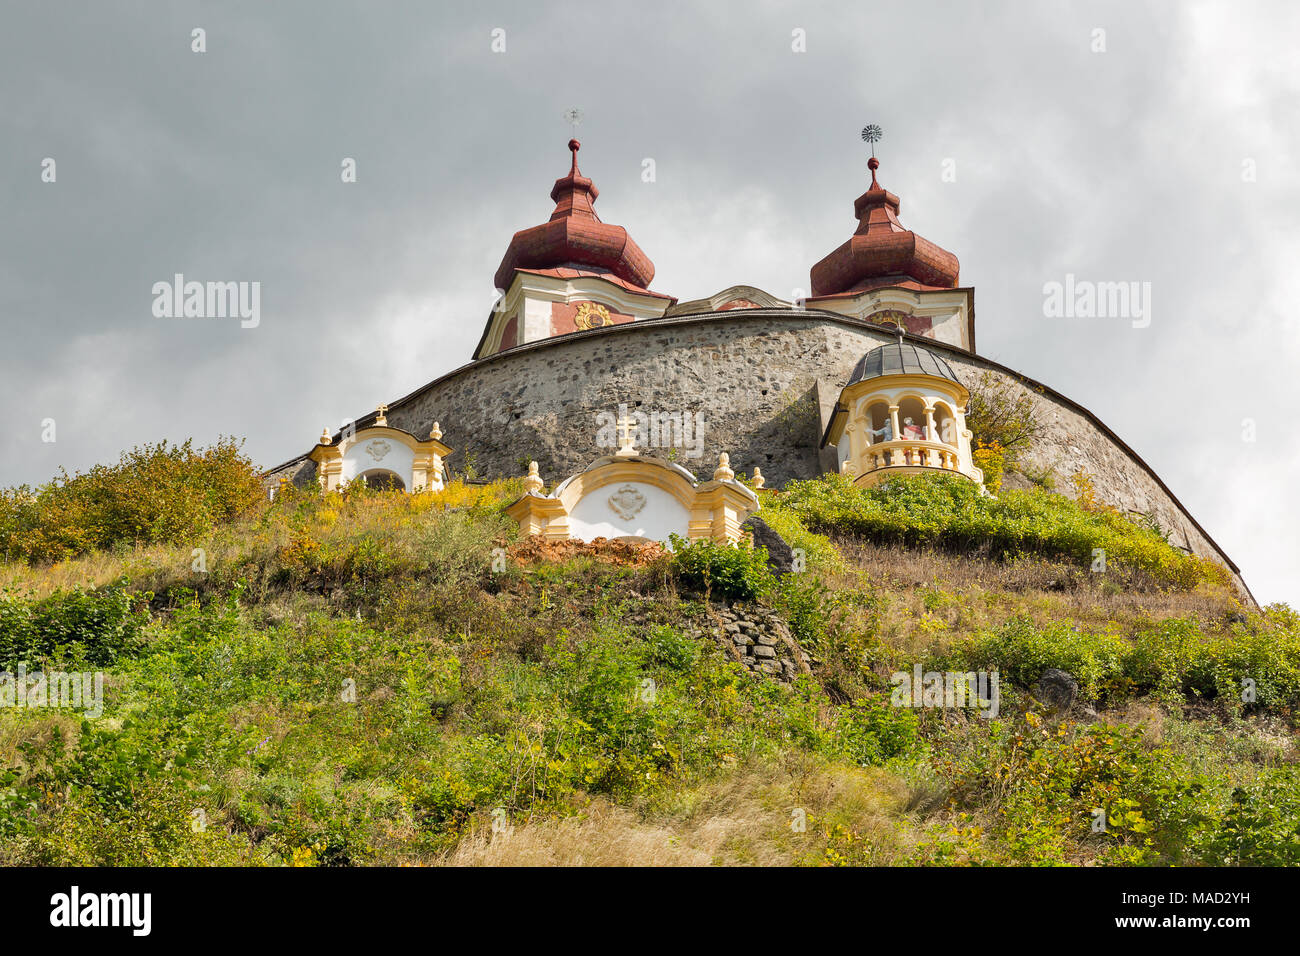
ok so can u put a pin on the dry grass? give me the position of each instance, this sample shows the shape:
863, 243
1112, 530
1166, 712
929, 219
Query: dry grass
934, 597
603, 835
22, 727
1147, 717
412, 528
743, 819
95, 569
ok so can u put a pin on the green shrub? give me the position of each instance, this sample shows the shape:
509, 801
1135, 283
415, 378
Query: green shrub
155, 493
1176, 657
947, 511
1046, 783
618, 733
1020, 652
1173, 660
871, 732
19, 804
735, 571
672, 649
1260, 826
156, 829
97, 625
806, 604
867, 732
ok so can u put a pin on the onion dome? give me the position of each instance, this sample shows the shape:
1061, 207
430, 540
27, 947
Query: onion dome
574, 237
881, 252
900, 358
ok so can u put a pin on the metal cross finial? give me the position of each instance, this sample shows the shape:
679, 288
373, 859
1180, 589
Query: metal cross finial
382, 410
573, 116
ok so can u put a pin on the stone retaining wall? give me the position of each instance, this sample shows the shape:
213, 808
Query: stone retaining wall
759, 639
765, 381
748, 633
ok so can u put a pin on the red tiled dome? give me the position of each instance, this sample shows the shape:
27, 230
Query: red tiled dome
881, 252
575, 237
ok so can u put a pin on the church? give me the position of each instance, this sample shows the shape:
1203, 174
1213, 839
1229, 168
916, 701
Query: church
642, 413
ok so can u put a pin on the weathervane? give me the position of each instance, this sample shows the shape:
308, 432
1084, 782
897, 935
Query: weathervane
871, 133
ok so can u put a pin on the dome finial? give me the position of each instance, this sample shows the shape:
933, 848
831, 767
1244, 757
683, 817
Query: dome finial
574, 236
882, 252
573, 116
871, 133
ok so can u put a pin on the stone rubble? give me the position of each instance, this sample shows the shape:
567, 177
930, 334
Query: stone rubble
758, 638
750, 634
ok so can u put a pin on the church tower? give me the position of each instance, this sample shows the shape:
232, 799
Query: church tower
867, 377
571, 273
888, 274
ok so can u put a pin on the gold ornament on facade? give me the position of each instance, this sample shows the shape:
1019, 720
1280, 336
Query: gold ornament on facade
592, 315
894, 317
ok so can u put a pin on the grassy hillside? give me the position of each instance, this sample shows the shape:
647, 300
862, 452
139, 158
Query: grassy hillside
375, 678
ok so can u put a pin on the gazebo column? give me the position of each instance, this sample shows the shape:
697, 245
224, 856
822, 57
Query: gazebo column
896, 456
932, 456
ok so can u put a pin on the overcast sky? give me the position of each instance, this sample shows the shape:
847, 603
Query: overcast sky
1169, 158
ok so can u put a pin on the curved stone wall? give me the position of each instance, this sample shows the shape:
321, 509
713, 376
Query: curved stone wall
765, 381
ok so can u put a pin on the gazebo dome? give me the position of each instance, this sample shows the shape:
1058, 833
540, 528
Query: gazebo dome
900, 358
902, 412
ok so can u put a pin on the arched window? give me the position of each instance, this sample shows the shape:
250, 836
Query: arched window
911, 418
878, 422
383, 457
945, 424
381, 479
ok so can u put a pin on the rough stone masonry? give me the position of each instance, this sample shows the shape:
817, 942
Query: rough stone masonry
765, 379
